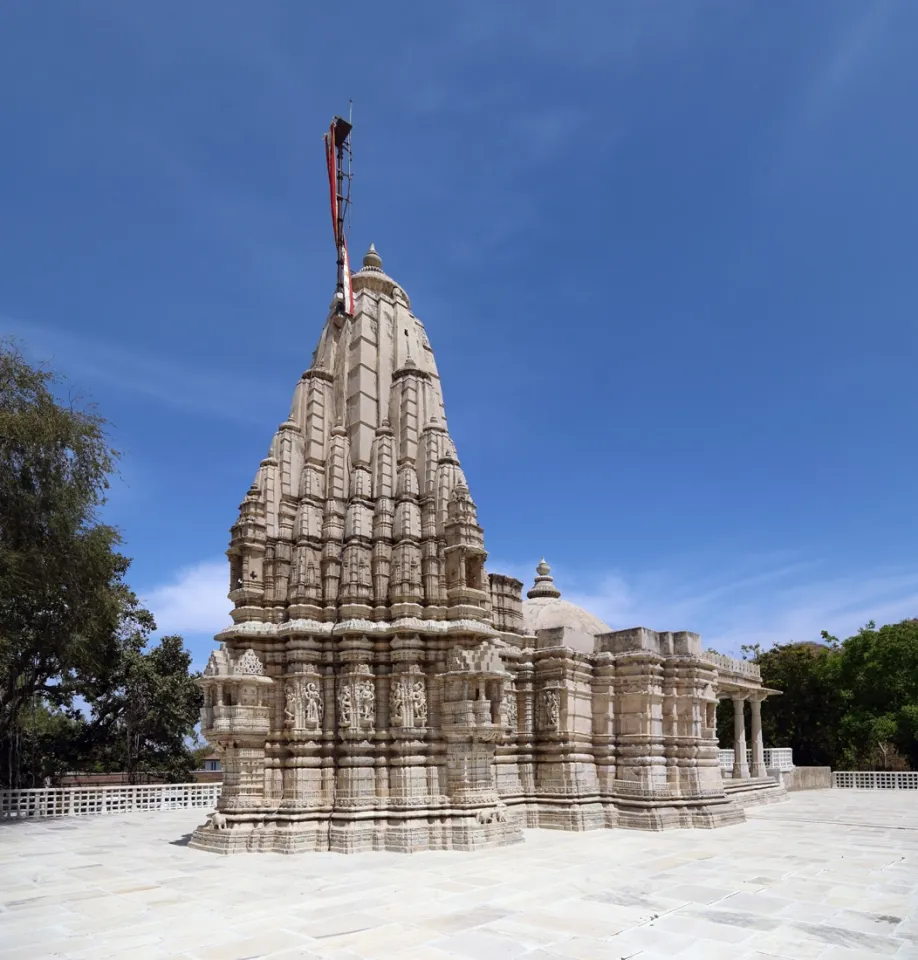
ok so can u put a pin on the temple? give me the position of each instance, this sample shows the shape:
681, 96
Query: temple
379, 689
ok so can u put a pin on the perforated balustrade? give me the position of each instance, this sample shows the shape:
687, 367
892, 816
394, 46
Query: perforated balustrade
875, 779
94, 801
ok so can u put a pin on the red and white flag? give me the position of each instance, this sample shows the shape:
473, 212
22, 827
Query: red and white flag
331, 159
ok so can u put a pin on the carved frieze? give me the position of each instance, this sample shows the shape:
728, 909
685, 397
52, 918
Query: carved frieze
304, 704
357, 702
408, 699
550, 709
508, 710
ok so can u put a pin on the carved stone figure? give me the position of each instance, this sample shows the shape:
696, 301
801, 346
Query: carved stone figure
419, 702
313, 703
345, 706
408, 700
509, 709
366, 698
290, 705
551, 709
398, 703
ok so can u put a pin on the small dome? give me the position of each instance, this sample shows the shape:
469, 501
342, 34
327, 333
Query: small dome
545, 610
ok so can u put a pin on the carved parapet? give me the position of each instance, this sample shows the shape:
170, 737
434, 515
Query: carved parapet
229, 722
730, 665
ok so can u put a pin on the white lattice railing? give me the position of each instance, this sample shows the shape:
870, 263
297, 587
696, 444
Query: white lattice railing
875, 779
91, 801
745, 668
780, 757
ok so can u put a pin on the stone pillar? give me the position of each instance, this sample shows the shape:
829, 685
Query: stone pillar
758, 744
740, 766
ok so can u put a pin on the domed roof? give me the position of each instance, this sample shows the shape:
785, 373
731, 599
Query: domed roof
545, 610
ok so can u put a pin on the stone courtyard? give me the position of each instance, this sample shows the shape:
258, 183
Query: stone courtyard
826, 874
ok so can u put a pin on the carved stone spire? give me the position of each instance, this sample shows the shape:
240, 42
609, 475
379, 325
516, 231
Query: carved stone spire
544, 585
350, 510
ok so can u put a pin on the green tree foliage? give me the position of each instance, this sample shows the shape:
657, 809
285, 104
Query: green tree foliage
850, 705
141, 724
69, 624
200, 752
877, 676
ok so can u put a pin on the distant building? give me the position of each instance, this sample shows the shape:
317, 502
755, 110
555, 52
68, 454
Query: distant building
211, 763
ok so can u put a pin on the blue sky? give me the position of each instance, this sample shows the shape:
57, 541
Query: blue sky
665, 254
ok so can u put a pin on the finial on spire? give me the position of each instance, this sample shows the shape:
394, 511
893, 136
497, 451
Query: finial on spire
544, 585
372, 260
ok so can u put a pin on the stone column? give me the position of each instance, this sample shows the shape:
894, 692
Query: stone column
758, 744
740, 766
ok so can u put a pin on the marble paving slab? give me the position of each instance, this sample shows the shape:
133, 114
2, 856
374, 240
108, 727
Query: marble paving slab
829, 874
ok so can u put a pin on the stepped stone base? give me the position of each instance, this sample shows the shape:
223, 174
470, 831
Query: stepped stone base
645, 815
486, 828
755, 791
479, 831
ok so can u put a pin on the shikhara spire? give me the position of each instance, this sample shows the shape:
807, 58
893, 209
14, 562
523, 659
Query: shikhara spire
361, 499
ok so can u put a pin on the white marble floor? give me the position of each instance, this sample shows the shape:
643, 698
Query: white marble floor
828, 874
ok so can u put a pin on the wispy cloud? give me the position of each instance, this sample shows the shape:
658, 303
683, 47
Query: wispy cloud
85, 360
851, 50
775, 605
854, 47
194, 600
787, 603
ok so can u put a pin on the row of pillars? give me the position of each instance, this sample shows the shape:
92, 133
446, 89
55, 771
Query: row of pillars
741, 768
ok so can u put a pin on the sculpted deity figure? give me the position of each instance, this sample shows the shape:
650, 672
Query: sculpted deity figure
345, 706
551, 709
313, 703
408, 700
419, 702
289, 705
509, 709
397, 703
366, 698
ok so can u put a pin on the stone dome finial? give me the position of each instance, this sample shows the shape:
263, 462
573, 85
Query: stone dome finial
372, 260
544, 585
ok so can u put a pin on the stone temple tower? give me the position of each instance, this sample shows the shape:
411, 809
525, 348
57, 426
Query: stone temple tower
356, 699
379, 690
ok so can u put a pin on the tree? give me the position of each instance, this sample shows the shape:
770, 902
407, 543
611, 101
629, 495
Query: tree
69, 624
878, 679
806, 716
141, 724
849, 704
62, 590
49, 739
201, 751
